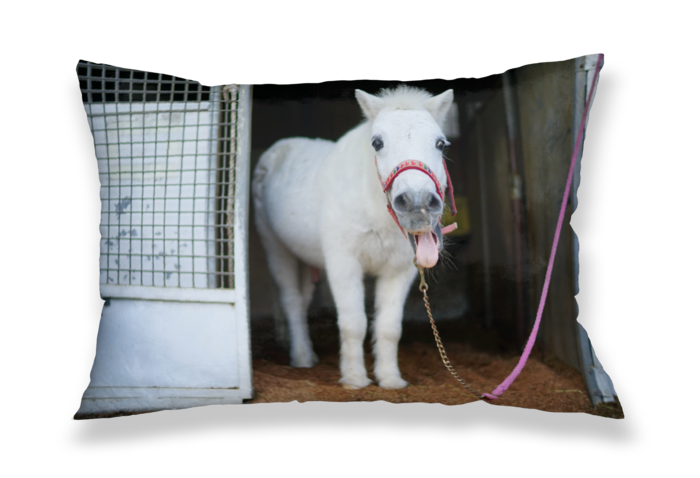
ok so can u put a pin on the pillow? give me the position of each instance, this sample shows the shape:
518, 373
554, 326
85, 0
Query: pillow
176, 332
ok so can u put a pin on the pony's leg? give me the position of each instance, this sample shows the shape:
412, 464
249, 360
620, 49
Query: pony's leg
295, 297
345, 279
391, 292
307, 292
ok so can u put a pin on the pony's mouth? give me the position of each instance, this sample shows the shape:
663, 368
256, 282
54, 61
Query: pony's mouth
427, 247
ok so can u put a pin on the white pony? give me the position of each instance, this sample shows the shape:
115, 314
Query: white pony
319, 205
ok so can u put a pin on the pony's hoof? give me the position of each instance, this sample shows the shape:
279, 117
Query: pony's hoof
304, 361
354, 383
393, 383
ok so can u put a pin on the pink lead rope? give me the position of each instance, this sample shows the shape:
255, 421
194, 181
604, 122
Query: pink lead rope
498, 391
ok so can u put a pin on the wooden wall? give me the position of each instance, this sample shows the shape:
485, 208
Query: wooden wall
491, 256
546, 102
544, 99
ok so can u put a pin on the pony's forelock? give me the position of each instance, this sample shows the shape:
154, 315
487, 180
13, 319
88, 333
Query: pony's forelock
404, 97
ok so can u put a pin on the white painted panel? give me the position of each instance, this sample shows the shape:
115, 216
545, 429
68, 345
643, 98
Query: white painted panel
145, 343
157, 165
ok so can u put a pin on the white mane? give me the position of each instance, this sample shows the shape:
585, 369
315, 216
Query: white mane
404, 97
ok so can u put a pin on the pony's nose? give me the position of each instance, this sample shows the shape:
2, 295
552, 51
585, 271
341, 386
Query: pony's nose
412, 201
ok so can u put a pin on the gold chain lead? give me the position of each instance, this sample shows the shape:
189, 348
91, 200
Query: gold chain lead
424, 289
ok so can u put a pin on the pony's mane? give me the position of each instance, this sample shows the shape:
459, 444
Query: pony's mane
404, 97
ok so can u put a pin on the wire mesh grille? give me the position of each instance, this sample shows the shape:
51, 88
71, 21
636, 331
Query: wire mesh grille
165, 152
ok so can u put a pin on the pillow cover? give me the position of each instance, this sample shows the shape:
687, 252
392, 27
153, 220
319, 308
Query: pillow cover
177, 332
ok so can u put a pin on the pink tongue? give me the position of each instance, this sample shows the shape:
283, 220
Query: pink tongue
426, 250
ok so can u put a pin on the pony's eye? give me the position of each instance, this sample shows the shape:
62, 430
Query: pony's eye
441, 145
377, 144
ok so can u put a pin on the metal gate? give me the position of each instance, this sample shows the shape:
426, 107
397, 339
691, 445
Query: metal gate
173, 161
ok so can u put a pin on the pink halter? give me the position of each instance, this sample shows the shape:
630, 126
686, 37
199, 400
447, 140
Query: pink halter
422, 167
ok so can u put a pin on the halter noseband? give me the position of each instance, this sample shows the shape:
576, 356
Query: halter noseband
422, 167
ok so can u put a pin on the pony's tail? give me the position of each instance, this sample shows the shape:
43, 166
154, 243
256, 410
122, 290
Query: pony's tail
258, 184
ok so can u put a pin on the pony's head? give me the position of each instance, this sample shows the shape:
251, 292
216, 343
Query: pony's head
406, 125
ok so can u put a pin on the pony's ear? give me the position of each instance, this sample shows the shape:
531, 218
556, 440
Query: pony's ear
370, 104
438, 105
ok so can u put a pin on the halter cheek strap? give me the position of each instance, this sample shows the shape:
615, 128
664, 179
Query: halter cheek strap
422, 167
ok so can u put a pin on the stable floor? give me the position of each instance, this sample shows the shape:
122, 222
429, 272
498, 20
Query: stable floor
545, 383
